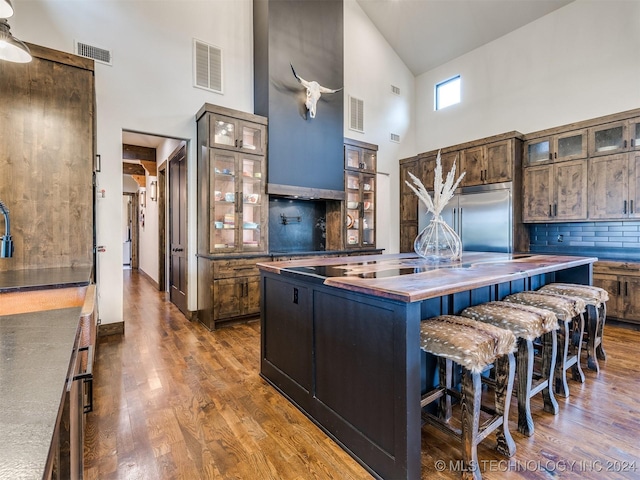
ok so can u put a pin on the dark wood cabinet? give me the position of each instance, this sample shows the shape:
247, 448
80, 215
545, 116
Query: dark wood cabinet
614, 187
555, 192
408, 204
622, 281
485, 164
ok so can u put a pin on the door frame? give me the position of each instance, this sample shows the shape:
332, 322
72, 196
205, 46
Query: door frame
163, 213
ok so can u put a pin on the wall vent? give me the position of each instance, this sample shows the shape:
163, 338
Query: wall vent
394, 137
395, 90
356, 114
98, 54
207, 66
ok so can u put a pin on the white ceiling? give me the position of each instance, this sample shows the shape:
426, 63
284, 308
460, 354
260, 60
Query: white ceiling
429, 33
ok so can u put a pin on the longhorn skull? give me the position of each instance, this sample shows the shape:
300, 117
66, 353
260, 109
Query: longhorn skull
314, 91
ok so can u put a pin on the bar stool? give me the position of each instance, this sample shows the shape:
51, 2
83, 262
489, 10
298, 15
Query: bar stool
527, 323
595, 299
569, 312
475, 346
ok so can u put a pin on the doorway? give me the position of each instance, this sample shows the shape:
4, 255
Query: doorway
129, 230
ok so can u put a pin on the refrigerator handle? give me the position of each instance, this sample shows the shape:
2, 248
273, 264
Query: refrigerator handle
459, 229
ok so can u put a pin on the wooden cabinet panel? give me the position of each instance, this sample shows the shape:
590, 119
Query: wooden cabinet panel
408, 234
227, 298
622, 281
571, 190
499, 160
474, 165
555, 192
611, 285
538, 193
360, 187
634, 184
604, 172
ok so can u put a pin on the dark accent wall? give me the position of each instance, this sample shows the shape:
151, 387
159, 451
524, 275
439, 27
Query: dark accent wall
297, 225
303, 151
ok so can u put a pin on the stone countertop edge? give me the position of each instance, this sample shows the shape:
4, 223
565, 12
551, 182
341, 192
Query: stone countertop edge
33, 380
275, 255
487, 269
44, 278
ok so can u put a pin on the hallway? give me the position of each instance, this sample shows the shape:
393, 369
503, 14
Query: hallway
176, 401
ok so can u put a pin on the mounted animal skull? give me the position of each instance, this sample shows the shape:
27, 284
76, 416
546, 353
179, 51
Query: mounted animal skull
314, 91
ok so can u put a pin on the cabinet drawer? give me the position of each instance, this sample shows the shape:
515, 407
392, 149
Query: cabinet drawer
616, 268
237, 268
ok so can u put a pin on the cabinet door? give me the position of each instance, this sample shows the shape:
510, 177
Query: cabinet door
352, 157
630, 296
608, 187
537, 151
611, 284
634, 185
252, 295
499, 162
608, 139
354, 208
571, 190
408, 234
227, 298
222, 132
570, 145
254, 214
538, 193
251, 138
634, 134
368, 224
223, 189
473, 164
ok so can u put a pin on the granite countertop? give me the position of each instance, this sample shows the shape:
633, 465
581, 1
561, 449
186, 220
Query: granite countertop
275, 254
36, 351
409, 278
38, 279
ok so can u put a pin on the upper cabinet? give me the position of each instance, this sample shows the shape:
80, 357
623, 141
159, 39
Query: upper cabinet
236, 134
484, 164
360, 186
559, 147
232, 169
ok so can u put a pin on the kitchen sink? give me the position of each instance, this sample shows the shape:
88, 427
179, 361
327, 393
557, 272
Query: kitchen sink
12, 303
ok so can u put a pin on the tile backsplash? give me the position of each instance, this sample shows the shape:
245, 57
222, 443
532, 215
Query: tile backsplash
604, 239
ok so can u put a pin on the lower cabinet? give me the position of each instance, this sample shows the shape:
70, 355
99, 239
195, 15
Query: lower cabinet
236, 297
622, 281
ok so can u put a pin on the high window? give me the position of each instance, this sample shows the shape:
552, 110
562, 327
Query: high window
448, 92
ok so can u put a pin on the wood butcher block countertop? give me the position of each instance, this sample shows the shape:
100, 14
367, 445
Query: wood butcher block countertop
409, 278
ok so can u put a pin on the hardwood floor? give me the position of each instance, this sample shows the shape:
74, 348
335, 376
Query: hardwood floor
175, 401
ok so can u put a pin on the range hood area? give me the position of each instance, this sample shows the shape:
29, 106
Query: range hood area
305, 154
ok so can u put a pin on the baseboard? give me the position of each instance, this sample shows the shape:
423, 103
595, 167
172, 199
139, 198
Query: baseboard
116, 328
146, 275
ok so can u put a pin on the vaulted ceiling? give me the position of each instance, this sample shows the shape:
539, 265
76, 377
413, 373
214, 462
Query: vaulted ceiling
429, 33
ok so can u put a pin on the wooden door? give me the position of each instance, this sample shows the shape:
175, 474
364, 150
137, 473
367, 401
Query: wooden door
571, 190
634, 185
499, 162
538, 193
609, 187
178, 229
611, 284
252, 295
473, 163
630, 296
227, 298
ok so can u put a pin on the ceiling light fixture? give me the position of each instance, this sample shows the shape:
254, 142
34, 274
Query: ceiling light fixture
12, 49
6, 9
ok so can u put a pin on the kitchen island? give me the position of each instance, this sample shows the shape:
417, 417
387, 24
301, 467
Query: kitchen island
340, 338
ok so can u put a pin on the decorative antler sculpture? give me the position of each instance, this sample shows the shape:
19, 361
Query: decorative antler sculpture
314, 92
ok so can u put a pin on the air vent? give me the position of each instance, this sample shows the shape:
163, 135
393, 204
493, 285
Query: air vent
98, 54
207, 61
395, 90
394, 137
356, 114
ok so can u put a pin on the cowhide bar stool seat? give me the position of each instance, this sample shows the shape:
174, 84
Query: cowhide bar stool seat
527, 324
475, 346
569, 312
596, 306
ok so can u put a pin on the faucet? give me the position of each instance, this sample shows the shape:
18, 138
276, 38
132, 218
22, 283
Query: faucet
6, 244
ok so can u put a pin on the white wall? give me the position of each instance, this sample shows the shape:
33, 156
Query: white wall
148, 89
579, 62
371, 66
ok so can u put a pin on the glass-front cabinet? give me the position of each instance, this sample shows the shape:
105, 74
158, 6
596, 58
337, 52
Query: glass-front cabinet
360, 189
565, 146
235, 134
237, 207
361, 209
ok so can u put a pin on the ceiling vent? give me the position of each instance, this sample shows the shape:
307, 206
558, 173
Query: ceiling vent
356, 114
207, 66
394, 137
395, 90
98, 54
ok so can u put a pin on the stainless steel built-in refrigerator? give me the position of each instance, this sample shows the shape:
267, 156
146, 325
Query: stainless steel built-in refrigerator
481, 215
